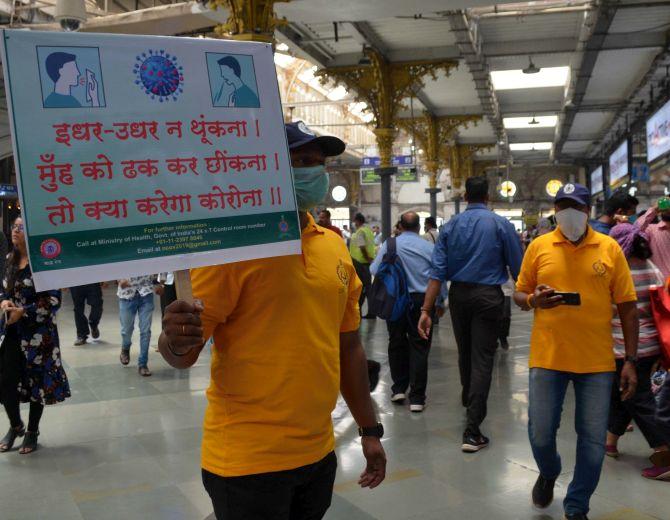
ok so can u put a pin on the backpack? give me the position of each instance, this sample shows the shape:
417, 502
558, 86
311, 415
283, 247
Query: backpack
389, 295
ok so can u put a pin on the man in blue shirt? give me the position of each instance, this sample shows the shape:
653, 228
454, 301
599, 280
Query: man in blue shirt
621, 204
474, 251
408, 352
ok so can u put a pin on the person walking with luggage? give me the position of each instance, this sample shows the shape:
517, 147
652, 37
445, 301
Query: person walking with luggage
408, 351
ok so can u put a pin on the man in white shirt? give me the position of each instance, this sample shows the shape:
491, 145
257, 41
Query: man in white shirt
136, 297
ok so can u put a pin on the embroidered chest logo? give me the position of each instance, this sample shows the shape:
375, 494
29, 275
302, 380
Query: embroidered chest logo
600, 268
342, 274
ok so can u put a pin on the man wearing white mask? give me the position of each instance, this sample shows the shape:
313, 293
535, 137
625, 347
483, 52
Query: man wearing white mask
571, 278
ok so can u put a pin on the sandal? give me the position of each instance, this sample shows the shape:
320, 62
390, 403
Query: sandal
124, 357
29, 443
9, 439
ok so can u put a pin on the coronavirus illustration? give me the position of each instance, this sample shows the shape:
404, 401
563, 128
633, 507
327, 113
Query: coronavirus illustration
159, 75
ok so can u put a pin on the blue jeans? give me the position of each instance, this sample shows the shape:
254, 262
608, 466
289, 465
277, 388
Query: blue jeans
592, 396
143, 306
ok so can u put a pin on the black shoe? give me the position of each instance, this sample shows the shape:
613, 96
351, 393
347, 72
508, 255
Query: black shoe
29, 443
543, 492
472, 443
9, 439
504, 344
370, 317
373, 374
95, 332
79, 342
576, 516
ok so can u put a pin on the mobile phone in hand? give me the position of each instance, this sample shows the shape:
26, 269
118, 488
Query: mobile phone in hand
569, 298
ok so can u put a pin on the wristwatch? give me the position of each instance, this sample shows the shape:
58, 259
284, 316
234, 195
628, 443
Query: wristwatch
631, 359
374, 431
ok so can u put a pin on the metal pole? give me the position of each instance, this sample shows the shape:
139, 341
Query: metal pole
386, 174
457, 205
433, 200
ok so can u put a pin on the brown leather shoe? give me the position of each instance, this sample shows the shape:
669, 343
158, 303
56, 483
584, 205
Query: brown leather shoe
144, 371
124, 357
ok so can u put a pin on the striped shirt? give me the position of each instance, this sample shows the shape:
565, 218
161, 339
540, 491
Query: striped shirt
659, 240
645, 275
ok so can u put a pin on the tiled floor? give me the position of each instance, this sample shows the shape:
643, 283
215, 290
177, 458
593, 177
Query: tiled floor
128, 448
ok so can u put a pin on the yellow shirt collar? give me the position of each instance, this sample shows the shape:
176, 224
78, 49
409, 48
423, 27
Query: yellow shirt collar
311, 226
591, 238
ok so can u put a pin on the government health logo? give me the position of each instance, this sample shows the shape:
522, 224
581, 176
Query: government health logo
159, 75
50, 248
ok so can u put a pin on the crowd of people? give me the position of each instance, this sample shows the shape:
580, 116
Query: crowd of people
286, 343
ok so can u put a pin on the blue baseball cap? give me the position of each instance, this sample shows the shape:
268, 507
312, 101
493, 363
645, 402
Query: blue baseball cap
299, 134
576, 192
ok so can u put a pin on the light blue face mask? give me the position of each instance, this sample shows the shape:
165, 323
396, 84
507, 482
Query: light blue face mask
311, 186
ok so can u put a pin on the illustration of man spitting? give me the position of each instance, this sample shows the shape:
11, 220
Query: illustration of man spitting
63, 71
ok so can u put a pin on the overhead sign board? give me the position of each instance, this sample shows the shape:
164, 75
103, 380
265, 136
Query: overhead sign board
619, 163
597, 184
398, 160
658, 133
8, 191
369, 176
407, 174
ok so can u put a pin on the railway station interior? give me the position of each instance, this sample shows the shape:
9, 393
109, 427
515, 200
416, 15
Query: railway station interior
540, 98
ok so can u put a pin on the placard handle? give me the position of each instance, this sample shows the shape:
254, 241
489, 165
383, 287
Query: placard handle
182, 284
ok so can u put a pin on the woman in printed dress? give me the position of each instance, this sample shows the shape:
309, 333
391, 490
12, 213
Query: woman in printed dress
30, 363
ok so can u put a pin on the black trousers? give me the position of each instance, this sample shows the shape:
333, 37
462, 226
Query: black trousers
81, 295
506, 320
363, 272
475, 315
408, 354
663, 409
169, 295
641, 407
12, 365
299, 494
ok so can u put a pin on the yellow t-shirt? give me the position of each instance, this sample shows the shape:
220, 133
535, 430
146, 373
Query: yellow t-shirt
576, 339
275, 374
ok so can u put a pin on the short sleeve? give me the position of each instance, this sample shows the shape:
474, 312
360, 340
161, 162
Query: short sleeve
218, 289
360, 239
622, 287
527, 281
351, 320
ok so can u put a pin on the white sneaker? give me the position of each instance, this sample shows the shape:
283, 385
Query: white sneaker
398, 398
417, 408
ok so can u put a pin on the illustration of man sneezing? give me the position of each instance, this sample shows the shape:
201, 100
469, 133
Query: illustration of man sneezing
233, 91
63, 71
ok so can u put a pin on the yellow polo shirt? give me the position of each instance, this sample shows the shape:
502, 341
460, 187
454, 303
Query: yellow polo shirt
275, 374
576, 339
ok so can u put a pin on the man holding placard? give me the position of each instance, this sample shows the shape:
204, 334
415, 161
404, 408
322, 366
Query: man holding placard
285, 343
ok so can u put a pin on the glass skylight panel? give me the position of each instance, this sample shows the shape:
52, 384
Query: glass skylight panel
520, 147
530, 122
516, 79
